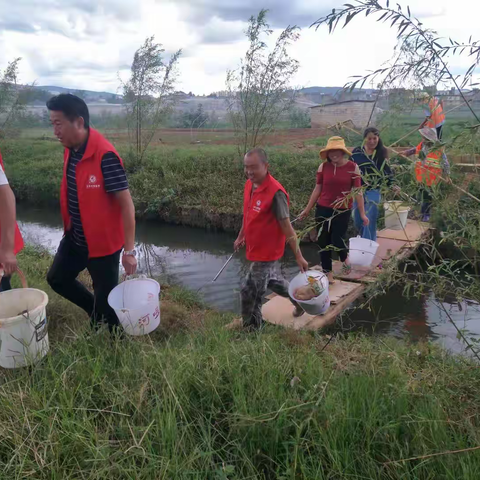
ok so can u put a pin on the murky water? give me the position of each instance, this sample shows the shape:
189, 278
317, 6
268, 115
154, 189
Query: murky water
192, 257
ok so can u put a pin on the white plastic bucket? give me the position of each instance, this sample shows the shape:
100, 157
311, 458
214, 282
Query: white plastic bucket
317, 305
362, 251
23, 327
396, 215
137, 305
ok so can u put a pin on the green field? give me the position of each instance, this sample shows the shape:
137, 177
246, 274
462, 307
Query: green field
194, 400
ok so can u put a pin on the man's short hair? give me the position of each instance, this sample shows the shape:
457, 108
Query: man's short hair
260, 152
72, 107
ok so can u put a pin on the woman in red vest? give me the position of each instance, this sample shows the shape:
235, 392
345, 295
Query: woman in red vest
265, 229
432, 164
338, 182
11, 241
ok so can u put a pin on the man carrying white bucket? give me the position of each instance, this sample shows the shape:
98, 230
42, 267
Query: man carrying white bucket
97, 210
11, 241
265, 229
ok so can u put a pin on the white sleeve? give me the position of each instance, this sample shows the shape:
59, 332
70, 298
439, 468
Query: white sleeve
3, 177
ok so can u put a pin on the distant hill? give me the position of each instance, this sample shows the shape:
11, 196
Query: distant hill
87, 95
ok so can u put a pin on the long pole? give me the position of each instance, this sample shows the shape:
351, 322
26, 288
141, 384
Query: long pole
224, 266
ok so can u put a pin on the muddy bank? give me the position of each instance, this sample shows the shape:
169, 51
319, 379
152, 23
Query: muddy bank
196, 217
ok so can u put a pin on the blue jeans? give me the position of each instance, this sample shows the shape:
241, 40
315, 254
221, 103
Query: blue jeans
372, 200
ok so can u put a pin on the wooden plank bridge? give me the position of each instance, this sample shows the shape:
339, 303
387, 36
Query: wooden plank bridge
399, 244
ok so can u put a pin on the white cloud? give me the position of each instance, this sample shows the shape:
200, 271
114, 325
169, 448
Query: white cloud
84, 43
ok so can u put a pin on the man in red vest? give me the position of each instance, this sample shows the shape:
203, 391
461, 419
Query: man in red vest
11, 241
265, 229
97, 211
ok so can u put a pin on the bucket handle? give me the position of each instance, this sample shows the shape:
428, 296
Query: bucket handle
20, 274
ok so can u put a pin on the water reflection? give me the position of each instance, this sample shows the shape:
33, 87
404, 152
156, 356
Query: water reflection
193, 257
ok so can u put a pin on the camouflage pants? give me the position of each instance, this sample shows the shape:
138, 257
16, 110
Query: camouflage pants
262, 275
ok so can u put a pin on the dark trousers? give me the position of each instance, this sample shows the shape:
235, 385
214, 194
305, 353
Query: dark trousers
439, 132
425, 197
333, 226
69, 261
5, 284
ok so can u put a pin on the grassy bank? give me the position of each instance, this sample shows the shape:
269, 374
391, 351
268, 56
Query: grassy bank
201, 186
196, 401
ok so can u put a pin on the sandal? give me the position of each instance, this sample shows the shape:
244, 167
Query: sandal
346, 269
331, 280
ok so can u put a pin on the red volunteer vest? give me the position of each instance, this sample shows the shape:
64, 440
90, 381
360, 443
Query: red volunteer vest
100, 212
264, 238
18, 236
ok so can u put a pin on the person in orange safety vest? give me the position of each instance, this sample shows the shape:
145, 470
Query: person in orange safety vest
432, 164
435, 116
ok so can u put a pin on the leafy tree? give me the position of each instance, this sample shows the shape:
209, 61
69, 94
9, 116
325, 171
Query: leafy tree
259, 92
148, 94
11, 106
195, 118
299, 118
422, 55
422, 62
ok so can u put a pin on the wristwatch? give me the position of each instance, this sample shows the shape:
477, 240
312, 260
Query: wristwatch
130, 253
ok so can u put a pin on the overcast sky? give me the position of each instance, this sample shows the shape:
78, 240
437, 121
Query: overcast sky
85, 44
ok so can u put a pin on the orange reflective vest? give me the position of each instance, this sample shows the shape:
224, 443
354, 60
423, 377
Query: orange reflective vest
428, 171
18, 236
437, 117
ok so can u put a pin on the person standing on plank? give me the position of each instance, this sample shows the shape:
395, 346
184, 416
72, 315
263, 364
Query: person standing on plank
432, 163
372, 159
338, 181
265, 229
435, 117
97, 211
11, 241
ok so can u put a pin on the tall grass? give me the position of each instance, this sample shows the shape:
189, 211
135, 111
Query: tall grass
194, 400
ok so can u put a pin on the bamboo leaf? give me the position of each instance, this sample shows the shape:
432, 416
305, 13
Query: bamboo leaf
383, 16
403, 30
349, 17
408, 9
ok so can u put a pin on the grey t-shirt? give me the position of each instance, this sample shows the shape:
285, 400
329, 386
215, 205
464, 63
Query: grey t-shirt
280, 206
